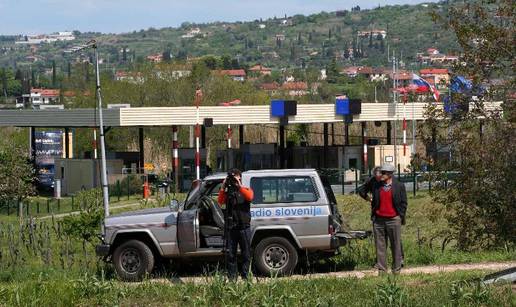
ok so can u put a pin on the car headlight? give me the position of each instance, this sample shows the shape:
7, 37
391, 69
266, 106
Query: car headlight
102, 233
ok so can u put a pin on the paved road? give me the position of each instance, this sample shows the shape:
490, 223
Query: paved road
350, 188
78, 212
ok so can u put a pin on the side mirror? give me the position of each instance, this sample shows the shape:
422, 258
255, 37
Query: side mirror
174, 205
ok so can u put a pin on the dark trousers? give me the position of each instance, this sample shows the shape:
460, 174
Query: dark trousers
388, 229
238, 237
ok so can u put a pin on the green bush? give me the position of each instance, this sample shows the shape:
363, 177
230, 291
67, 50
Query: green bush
86, 225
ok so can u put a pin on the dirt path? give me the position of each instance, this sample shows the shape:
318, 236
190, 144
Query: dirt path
60, 215
432, 269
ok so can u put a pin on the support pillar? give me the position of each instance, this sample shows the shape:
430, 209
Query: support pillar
141, 149
241, 135
67, 143
32, 148
325, 146
364, 144
434, 144
332, 134
346, 134
389, 133
203, 136
282, 146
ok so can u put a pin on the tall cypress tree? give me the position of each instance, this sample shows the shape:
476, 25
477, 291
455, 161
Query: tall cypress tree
69, 70
33, 78
54, 74
4, 82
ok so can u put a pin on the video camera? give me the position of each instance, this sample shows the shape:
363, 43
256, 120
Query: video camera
231, 182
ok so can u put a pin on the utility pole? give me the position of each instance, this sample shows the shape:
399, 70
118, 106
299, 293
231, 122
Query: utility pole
105, 192
394, 101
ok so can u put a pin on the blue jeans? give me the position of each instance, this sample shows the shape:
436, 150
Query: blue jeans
238, 236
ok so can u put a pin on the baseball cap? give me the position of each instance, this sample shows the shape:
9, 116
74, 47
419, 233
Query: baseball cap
387, 167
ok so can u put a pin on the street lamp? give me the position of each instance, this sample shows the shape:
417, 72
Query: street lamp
105, 193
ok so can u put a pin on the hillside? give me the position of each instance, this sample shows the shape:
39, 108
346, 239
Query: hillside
287, 42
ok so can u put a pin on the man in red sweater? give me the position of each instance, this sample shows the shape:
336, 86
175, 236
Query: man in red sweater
388, 209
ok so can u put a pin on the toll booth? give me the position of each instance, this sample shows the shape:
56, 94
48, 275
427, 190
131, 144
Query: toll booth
187, 171
266, 156
83, 174
248, 157
380, 154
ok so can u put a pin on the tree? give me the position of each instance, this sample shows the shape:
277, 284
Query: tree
332, 71
124, 54
226, 62
16, 174
479, 201
166, 56
69, 70
33, 78
54, 74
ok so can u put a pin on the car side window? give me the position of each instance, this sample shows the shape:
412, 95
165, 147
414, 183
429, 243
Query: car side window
291, 189
214, 192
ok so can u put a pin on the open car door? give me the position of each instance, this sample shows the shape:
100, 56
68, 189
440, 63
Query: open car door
188, 230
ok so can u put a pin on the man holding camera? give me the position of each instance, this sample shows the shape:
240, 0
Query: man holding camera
237, 222
388, 208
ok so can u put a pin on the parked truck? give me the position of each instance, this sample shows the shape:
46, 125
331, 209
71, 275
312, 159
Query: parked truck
294, 212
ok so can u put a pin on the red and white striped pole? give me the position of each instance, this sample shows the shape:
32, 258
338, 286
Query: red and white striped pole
230, 132
198, 97
405, 98
94, 144
175, 157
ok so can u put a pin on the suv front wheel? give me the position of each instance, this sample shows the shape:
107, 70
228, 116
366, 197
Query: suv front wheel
133, 260
275, 256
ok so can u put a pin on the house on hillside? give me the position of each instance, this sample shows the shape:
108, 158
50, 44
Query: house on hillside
235, 74
374, 32
133, 77
295, 88
271, 88
192, 33
155, 58
439, 77
434, 56
404, 77
259, 69
41, 96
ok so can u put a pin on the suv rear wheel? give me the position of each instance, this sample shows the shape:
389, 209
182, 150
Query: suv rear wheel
275, 256
133, 260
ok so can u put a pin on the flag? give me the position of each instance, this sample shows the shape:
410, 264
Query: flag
420, 85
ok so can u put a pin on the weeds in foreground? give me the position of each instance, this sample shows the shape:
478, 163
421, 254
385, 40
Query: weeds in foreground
390, 294
473, 292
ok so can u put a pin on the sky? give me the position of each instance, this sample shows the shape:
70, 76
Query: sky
118, 16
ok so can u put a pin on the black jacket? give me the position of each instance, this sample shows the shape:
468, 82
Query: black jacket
399, 198
367, 187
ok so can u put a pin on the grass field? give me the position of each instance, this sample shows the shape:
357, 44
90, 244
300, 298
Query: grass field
62, 288
42, 265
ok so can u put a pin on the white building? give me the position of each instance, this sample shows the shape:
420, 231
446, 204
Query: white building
40, 96
47, 38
